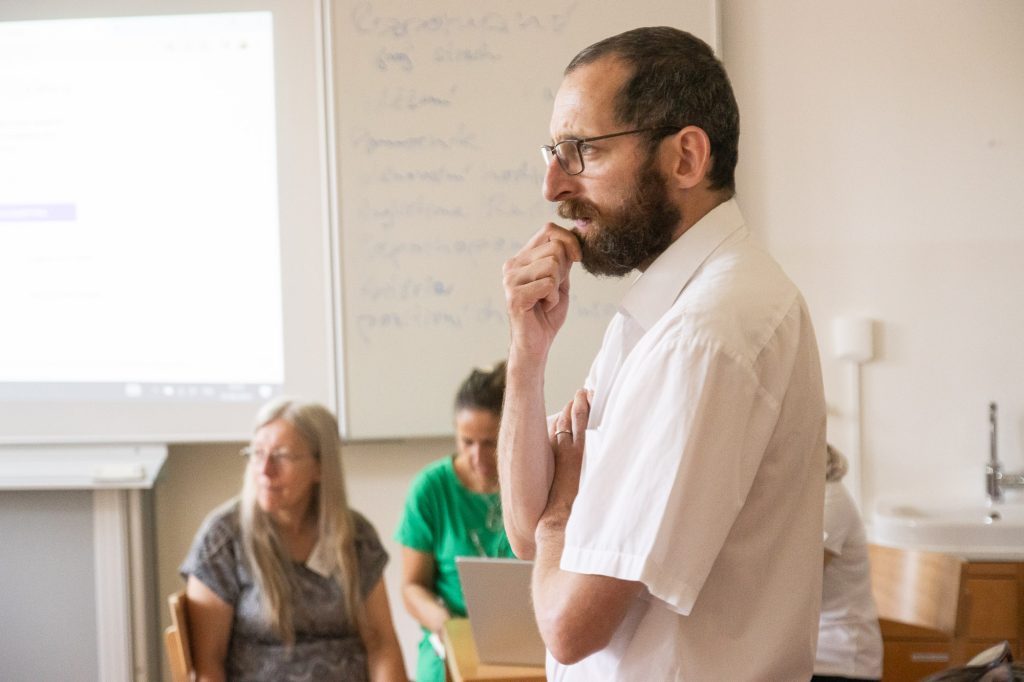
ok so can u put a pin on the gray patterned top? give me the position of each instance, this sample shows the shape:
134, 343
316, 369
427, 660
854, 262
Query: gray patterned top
327, 647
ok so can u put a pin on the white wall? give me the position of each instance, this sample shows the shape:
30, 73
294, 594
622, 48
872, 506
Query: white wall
48, 575
882, 161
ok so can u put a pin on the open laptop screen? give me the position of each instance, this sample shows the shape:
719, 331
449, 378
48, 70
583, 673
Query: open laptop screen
497, 593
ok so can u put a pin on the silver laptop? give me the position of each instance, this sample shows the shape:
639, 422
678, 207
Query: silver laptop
497, 593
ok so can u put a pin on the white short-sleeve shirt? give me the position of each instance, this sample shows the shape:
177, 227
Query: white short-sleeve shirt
849, 640
704, 468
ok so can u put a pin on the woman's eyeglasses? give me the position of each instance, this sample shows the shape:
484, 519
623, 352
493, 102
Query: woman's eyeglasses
279, 458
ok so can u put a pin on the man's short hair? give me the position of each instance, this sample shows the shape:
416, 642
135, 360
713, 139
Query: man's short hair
676, 80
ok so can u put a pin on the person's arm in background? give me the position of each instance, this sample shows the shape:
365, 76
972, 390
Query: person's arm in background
383, 654
422, 603
577, 613
835, 526
210, 619
536, 284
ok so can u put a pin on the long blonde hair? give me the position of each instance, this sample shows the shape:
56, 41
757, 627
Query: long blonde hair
270, 564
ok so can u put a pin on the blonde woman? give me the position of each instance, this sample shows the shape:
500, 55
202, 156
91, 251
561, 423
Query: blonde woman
285, 581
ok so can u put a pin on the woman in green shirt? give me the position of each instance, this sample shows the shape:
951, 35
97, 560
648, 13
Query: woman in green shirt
453, 509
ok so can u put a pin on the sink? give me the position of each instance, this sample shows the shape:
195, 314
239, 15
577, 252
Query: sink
967, 527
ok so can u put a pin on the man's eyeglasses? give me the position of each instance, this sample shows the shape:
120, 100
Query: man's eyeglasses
279, 458
570, 152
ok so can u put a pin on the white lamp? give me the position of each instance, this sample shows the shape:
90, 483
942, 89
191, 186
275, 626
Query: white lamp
854, 343
854, 338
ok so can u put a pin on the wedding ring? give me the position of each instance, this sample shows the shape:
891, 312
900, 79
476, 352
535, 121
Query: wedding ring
559, 433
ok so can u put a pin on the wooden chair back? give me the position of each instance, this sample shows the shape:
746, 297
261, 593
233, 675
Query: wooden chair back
176, 639
916, 587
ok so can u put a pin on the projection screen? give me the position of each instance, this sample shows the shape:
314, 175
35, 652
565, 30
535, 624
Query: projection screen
164, 240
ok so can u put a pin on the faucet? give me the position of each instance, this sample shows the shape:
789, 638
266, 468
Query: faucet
996, 480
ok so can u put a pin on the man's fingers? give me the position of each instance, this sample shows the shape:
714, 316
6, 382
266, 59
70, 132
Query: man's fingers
566, 416
552, 252
556, 234
537, 277
526, 296
568, 241
552, 240
563, 423
580, 407
572, 421
517, 274
533, 283
547, 257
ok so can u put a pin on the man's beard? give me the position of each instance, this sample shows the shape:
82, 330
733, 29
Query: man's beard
619, 241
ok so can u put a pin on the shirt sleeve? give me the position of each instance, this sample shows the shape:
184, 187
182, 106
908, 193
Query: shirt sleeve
837, 517
214, 556
668, 469
417, 528
371, 554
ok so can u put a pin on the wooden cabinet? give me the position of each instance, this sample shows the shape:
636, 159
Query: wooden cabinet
908, 659
991, 610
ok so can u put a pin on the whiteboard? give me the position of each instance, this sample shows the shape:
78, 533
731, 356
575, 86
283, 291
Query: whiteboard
440, 109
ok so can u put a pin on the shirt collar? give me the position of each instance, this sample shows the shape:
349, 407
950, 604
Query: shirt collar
320, 560
655, 290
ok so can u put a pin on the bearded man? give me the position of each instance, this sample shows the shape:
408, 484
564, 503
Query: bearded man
673, 509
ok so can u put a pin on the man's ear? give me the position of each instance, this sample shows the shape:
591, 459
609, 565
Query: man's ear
690, 157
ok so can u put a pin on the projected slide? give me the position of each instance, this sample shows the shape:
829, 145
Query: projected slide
139, 221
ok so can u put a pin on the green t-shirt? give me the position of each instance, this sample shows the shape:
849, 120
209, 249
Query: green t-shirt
445, 519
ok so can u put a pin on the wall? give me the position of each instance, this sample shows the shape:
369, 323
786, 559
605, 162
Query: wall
880, 161
52, 534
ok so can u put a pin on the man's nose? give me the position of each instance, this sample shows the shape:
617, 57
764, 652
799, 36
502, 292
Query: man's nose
558, 185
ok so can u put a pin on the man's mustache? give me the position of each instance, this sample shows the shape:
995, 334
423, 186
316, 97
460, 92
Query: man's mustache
577, 209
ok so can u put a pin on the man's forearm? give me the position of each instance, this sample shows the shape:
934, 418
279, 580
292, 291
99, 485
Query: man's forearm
546, 582
566, 627
577, 614
525, 460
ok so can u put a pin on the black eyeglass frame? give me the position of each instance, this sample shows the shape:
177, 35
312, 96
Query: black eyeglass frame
550, 150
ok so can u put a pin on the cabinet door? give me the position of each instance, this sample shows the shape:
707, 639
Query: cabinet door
994, 608
908, 660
